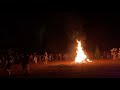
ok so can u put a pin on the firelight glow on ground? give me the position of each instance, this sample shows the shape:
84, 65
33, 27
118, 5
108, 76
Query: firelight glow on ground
80, 57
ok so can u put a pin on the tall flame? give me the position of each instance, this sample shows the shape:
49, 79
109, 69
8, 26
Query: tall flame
81, 57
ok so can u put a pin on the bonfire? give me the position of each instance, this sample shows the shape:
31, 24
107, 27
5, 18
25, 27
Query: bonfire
81, 57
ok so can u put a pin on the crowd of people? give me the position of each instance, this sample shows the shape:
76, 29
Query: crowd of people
11, 56
24, 57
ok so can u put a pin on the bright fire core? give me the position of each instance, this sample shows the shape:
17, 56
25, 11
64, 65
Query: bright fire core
80, 57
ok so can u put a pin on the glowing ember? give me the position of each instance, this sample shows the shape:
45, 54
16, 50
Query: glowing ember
81, 57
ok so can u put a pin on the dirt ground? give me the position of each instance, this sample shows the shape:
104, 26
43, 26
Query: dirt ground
67, 69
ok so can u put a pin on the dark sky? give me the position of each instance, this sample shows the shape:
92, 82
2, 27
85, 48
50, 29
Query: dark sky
104, 29
56, 30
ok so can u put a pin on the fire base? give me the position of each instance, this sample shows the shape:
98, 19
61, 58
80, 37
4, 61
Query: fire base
82, 62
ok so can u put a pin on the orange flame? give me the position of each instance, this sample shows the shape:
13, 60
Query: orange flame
80, 57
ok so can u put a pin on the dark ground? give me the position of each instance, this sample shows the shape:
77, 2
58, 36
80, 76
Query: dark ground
96, 69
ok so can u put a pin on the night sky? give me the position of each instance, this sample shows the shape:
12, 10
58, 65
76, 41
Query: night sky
57, 30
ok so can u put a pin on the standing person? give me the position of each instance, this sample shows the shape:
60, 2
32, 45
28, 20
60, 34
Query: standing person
22, 60
119, 54
8, 64
3, 61
25, 63
31, 58
50, 57
114, 53
35, 59
46, 58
